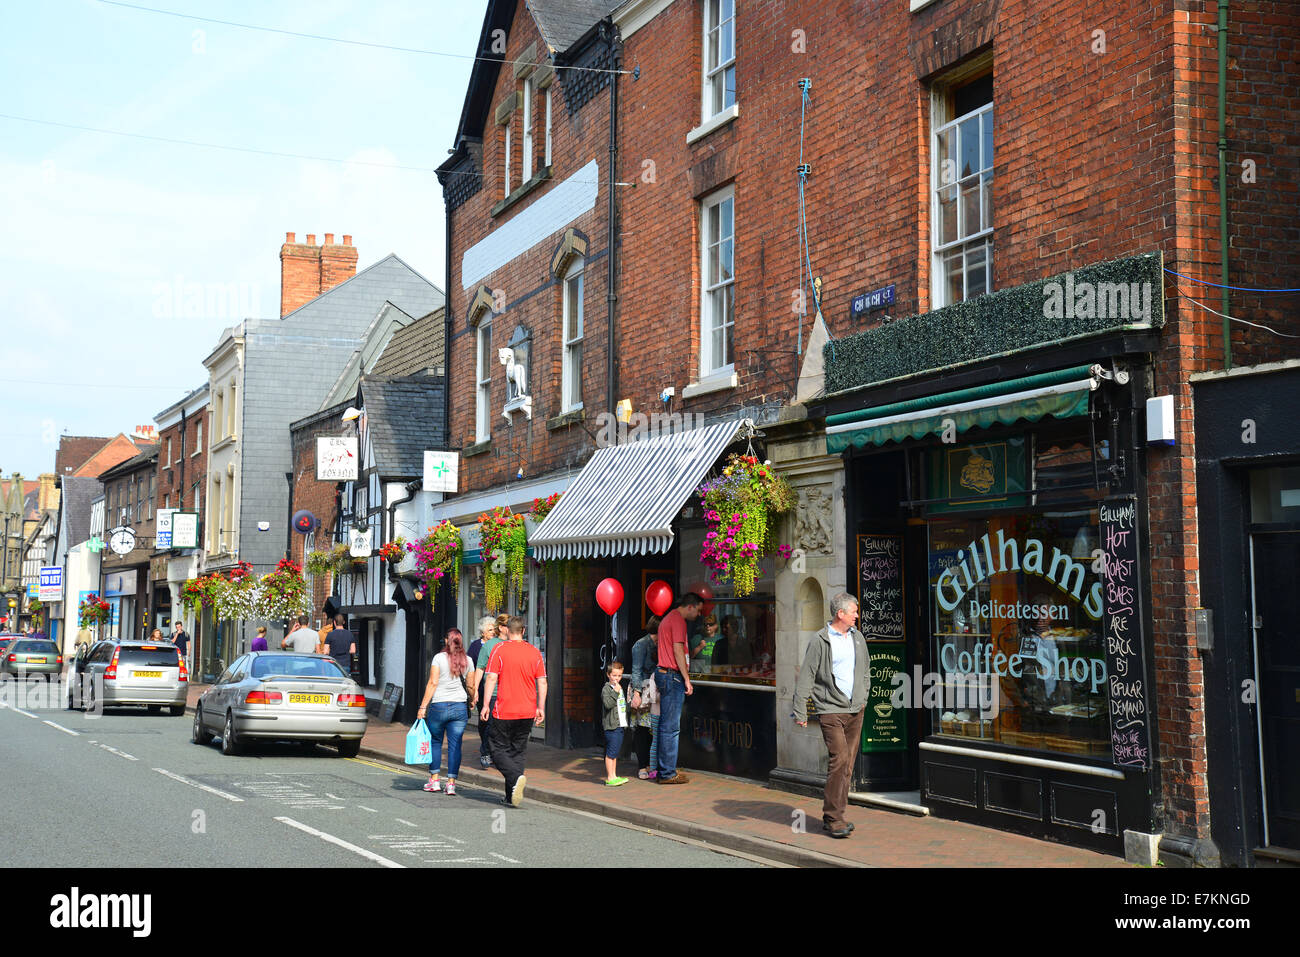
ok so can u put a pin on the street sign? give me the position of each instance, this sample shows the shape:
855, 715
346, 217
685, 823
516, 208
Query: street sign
51, 586
336, 459
185, 530
440, 471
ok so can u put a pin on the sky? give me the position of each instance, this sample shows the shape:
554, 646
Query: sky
122, 259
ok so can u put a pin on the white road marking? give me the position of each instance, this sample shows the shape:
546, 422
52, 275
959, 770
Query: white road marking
510, 860
369, 855
333, 797
19, 710
120, 754
407, 823
201, 787
75, 734
370, 809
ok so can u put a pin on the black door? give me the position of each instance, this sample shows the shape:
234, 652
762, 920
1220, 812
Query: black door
1277, 635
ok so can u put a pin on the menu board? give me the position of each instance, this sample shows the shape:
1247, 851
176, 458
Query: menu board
884, 727
1130, 731
392, 695
880, 587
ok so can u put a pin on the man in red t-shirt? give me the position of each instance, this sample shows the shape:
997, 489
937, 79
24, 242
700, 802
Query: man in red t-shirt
516, 673
673, 684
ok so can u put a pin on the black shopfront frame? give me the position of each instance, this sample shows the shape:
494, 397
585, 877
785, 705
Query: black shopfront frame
1068, 798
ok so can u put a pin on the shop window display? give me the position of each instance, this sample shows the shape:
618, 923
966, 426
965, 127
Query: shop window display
1016, 614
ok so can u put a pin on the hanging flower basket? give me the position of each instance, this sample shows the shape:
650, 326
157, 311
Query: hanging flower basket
741, 507
92, 611
394, 551
336, 560
201, 592
542, 507
283, 592
437, 556
502, 535
236, 597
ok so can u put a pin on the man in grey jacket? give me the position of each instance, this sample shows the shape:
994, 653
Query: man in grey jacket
836, 674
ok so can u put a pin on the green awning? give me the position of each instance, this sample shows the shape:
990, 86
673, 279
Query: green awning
1061, 394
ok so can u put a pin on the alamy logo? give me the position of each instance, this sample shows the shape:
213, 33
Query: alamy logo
1100, 300
74, 910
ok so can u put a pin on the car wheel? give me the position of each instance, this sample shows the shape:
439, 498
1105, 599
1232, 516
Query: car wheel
229, 743
90, 698
176, 709
155, 709
349, 749
199, 735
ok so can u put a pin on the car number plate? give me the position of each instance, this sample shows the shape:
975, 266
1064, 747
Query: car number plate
36, 661
310, 698
146, 674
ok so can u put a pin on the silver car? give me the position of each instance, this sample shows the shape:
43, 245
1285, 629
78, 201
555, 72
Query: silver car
132, 672
283, 696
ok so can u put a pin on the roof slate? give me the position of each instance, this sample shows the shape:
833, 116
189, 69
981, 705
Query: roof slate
79, 493
404, 416
414, 349
563, 22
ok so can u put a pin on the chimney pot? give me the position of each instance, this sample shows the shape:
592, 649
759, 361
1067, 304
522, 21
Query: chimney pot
347, 240
290, 237
329, 239
311, 239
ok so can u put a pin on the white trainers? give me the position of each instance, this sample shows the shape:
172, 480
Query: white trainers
517, 795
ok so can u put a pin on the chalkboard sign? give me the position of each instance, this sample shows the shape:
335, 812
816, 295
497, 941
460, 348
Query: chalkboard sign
1130, 732
884, 727
392, 695
880, 587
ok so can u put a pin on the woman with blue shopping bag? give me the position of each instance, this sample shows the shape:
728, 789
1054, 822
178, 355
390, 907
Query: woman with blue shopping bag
448, 696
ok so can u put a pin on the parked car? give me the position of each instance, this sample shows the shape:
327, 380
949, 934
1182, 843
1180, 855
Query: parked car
287, 697
31, 656
131, 673
5, 638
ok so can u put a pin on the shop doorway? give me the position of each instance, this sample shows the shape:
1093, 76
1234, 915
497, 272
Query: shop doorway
1275, 556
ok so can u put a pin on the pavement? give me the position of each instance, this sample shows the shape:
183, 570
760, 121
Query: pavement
745, 816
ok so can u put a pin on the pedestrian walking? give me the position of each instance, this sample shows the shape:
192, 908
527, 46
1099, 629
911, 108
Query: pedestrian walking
478, 656
516, 673
645, 701
836, 674
301, 638
340, 644
259, 643
447, 700
615, 721
181, 640
673, 682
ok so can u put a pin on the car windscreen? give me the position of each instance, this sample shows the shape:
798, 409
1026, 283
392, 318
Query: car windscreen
151, 656
295, 666
34, 647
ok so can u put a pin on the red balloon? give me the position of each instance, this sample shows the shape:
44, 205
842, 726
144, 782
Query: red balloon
705, 592
659, 596
609, 595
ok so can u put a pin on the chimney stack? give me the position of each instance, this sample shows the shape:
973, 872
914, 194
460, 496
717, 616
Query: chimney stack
307, 270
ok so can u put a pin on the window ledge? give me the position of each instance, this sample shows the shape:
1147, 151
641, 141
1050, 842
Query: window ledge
921, 4
717, 122
565, 419
478, 448
714, 383
227, 441
540, 177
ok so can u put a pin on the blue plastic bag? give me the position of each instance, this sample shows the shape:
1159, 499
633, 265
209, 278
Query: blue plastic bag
418, 743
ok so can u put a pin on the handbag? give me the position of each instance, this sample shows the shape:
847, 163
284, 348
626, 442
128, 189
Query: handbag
419, 742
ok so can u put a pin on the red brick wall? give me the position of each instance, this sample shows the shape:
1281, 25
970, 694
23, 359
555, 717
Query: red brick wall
307, 270
170, 481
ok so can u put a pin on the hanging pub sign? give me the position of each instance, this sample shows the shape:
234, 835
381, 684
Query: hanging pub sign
880, 587
440, 471
185, 530
1130, 730
336, 459
360, 542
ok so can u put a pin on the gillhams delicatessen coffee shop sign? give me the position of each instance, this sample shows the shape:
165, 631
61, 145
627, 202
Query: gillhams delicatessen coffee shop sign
880, 608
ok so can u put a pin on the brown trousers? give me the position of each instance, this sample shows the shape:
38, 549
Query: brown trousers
841, 732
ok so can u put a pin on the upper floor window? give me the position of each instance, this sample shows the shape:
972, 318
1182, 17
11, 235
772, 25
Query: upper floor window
167, 462
198, 436
483, 377
717, 270
507, 192
962, 191
571, 379
219, 413
526, 160
719, 56
230, 426
547, 98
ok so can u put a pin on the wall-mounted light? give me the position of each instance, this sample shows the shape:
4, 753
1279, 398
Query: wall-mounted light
351, 414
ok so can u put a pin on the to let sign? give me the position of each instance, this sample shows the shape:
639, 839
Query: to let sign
336, 459
51, 587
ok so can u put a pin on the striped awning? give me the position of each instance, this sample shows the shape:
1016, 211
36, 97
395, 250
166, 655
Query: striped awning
626, 497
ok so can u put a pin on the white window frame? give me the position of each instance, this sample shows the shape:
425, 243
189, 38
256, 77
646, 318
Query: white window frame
526, 164
709, 105
230, 411
967, 242
507, 159
571, 374
548, 126
214, 527
710, 207
198, 438
167, 462
219, 413
483, 381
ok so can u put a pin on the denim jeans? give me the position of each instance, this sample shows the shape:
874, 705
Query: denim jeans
450, 717
672, 695
614, 742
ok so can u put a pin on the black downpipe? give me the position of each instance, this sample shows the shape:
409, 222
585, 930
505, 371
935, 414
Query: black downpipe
611, 296
288, 525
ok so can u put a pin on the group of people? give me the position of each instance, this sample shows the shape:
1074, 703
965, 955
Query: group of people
334, 639
505, 678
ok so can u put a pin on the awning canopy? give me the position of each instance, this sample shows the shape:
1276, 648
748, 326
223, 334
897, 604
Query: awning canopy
626, 497
1061, 394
